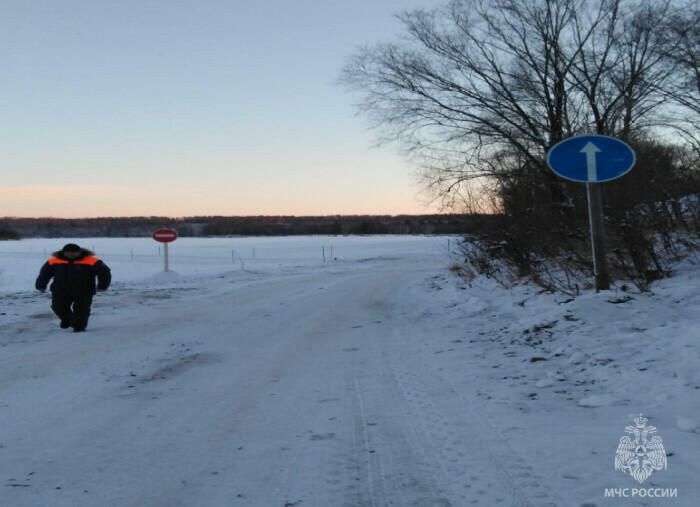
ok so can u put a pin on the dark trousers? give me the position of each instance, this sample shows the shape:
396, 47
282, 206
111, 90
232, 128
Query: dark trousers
78, 315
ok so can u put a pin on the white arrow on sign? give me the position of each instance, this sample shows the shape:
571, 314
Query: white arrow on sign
590, 150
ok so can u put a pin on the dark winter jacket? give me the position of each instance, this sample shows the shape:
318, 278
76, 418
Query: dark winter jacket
74, 277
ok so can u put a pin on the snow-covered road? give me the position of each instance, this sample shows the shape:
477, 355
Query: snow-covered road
293, 390
377, 379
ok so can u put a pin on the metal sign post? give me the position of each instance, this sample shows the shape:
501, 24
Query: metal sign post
596, 219
165, 236
165, 256
593, 160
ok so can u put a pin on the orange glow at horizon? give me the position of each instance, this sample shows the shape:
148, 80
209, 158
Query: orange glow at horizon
107, 200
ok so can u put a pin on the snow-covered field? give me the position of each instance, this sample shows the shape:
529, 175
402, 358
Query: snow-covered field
268, 377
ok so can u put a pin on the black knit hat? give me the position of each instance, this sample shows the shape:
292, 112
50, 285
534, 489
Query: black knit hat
72, 247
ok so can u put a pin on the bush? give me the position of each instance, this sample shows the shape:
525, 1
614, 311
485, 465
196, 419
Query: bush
652, 221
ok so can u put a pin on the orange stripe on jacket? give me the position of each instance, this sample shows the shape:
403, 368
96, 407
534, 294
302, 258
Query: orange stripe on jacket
85, 260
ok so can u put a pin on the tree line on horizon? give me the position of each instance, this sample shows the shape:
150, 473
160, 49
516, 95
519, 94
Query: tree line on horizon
203, 226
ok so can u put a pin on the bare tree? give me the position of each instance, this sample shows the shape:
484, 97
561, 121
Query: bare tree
682, 49
481, 89
477, 91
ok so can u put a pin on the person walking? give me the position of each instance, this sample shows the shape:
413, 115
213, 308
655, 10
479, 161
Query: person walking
73, 270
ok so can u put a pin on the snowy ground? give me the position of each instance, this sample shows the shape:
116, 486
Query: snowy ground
375, 378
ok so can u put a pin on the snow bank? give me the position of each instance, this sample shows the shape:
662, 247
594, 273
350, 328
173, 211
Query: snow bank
166, 277
562, 377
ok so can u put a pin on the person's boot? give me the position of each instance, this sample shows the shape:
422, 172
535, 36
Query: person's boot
64, 324
78, 329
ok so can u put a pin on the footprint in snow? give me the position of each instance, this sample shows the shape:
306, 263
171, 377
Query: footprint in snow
322, 436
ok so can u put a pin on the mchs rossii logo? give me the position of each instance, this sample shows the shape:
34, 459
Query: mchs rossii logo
640, 456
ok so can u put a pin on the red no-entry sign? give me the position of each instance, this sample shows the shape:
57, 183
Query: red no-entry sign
165, 235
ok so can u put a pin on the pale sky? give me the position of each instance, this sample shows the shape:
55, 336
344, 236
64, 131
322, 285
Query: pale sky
192, 107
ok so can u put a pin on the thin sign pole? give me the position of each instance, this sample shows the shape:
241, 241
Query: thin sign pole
597, 222
165, 255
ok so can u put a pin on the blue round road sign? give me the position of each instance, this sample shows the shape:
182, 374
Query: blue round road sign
591, 159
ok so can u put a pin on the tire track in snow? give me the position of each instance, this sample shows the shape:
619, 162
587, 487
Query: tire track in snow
473, 451
365, 442
396, 459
